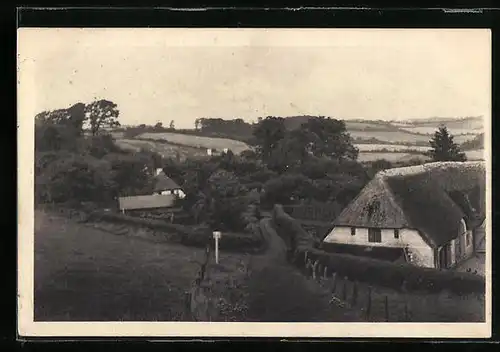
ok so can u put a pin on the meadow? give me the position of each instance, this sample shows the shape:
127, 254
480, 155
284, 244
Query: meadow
84, 273
197, 141
165, 149
402, 136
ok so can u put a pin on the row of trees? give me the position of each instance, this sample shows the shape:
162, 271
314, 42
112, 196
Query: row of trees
75, 167
314, 162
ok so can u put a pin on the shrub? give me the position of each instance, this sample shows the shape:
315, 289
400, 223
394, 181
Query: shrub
195, 236
397, 276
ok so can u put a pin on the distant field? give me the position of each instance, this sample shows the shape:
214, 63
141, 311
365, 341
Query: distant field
389, 147
197, 141
164, 149
403, 136
454, 131
404, 157
392, 157
477, 154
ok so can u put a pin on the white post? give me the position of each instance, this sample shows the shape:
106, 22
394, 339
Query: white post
216, 237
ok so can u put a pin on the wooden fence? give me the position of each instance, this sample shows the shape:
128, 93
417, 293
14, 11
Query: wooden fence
378, 304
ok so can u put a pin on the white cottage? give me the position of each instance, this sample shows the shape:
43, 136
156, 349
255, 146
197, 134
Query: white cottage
429, 211
165, 185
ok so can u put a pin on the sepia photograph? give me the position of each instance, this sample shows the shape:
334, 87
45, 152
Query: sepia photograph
254, 182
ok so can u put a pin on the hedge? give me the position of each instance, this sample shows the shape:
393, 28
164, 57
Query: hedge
290, 230
396, 276
374, 271
199, 236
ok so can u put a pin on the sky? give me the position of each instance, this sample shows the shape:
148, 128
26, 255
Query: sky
159, 75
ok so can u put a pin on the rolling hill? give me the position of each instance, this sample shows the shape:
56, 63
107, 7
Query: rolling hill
391, 140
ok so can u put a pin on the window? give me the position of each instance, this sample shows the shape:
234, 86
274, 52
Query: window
353, 231
374, 235
396, 233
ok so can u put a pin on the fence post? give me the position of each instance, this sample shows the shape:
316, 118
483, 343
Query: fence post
369, 303
187, 306
386, 305
344, 291
334, 283
354, 298
407, 313
315, 265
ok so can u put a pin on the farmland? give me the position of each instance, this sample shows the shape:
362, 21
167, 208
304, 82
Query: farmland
85, 274
397, 156
402, 136
197, 141
165, 149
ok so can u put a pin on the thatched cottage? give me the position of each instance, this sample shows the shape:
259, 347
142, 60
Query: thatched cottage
432, 212
166, 191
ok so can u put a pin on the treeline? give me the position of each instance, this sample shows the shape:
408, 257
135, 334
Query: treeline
316, 162
73, 167
476, 143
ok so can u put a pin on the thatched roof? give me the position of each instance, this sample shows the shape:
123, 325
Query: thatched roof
164, 183
431, 198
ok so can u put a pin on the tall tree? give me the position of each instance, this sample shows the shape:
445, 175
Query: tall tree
443, 148
172, 125
102, 113
268, 133
328, 137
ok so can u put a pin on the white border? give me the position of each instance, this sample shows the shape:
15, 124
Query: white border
214, 37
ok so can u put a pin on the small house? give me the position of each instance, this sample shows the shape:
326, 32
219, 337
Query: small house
433, 212
164, 185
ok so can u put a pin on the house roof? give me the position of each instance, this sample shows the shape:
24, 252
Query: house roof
164, 183
431, 198
146, 202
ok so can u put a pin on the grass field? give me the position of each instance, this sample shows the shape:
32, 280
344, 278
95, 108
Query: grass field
90, 275
389, 147
165, 149
368, 156
403, 136
197, 141
86, 274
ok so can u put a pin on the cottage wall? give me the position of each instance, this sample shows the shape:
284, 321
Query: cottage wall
422, 253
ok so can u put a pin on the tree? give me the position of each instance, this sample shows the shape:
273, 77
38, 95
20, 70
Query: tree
158, 126
59, 129
102, 113
443, 148
197, 124
268, 133
328, 137
172, 125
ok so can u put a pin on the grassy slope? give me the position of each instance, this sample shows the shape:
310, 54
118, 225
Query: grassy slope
84, 274
90, 275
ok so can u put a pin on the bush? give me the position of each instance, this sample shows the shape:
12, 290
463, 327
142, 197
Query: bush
290, 230
397, 276
199, 236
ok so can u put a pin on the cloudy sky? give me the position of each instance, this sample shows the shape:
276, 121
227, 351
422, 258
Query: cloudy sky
166, 74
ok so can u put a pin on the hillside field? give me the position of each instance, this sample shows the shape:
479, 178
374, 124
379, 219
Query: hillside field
402, 136
197, 141
369, 156
164, 149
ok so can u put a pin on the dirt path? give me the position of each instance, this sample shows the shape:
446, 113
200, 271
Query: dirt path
278, 292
